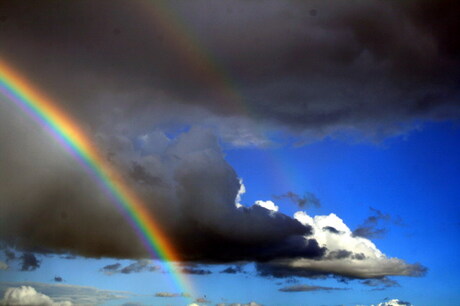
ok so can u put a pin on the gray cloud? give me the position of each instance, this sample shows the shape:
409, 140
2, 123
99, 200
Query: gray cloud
372, 227
196, 271
380, 283
342, 268
331, 229
139, 266
169, 294
10, 255
308, 288
143, 265
196, 198
29, 262
305, 201
233, 270
111, 269
368, 65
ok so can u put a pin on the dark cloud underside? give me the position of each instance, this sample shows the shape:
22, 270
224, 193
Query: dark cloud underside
361, 64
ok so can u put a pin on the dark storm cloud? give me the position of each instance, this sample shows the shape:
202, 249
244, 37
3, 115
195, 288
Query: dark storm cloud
29, 262
127, 75
305, 201
141, 176
369, 65
195, 204
308, 288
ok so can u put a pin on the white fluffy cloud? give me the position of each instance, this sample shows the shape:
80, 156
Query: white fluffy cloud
345, 255
268, 205
394, 302
26, 295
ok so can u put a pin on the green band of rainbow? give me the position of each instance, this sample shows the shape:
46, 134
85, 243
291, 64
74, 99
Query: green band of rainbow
15, 88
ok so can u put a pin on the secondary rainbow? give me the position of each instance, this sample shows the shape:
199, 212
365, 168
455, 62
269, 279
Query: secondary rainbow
15, 87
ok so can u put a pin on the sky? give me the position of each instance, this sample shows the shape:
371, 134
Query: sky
235, 152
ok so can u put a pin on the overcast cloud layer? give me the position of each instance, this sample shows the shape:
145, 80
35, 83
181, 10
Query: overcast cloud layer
131, 74
312, 66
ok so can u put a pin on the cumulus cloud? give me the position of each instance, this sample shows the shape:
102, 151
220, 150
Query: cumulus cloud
26, 295
347, 255
308, 288
267, 204
394, 302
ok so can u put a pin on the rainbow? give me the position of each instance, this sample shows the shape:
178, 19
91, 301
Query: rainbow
195, 55
16, 89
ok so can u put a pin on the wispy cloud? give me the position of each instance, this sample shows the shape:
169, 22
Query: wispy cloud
308, 288
305, 201
142, 265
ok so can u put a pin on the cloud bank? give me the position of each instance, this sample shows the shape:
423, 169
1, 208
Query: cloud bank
364, 65
367, 65
26, 295
33, 293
